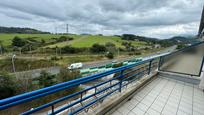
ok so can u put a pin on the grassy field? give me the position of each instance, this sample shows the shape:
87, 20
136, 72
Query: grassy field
89, 40
7, 38
78, 41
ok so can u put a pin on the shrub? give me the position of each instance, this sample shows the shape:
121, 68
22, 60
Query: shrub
55, 58
71, 50
19, 42
66, 75
68, 49
42, 41
138, 53
110, 47
46, 79
28, 47
97, 48
110, 55
64, 38
180, 46
7, 86
109, 44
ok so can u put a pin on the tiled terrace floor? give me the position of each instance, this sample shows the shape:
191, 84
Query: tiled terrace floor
165, 96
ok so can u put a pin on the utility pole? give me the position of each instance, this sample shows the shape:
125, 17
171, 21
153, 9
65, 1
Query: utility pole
13, 57
55, 30
67, 29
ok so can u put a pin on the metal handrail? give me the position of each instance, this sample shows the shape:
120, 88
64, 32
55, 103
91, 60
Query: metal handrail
22, 98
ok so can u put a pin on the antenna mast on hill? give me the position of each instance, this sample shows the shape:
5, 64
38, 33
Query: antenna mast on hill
55, 30
67, 28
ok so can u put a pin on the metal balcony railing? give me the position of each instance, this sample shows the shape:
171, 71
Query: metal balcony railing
122, 77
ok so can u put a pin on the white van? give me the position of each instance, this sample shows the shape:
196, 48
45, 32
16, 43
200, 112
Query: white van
75, 66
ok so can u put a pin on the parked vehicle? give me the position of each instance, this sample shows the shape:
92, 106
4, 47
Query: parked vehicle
114, 61
75, 66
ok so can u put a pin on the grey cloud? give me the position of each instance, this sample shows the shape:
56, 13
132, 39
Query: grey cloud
132, 5
146, 17
35, 7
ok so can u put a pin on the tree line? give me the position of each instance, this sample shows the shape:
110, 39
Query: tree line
21, 30
10, 85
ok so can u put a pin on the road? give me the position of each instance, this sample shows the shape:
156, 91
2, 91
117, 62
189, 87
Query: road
55, 70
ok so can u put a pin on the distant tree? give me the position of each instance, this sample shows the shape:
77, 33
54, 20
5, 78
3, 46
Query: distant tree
110, 55
166, 43
66, 75
64, 38
42, 41
7, 86
68, 49
21, 30
109, 44
19, 42
25, 84
110, 47
46, 79
139, 38
138, 53
97, 48
71, 50
180, 46
1, 42
2, 48
128, 46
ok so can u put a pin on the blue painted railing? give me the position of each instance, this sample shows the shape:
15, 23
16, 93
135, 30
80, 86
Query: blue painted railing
125, 75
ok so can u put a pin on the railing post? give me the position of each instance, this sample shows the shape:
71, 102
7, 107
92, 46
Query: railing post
95, 90
160, 59
150, 64
81, 96
121, 80
52, 110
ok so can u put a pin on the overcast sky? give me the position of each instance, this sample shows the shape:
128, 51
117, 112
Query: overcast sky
153, 18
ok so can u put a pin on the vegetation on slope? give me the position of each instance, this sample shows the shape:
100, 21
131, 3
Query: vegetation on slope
24, 64
21, 30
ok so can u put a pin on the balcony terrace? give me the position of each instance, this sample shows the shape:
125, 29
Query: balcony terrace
167, 84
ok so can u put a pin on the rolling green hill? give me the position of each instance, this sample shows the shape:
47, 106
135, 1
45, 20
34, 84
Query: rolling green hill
89, 40
78, 40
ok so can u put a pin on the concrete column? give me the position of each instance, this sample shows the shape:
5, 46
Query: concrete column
201, 85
